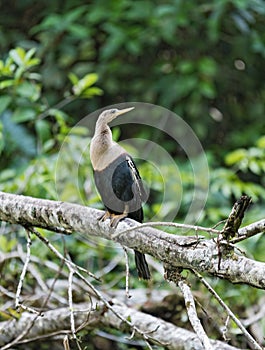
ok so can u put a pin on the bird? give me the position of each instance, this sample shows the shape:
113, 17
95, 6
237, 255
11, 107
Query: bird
117, 180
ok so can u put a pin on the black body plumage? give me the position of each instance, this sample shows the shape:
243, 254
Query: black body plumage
117, 179
120, 184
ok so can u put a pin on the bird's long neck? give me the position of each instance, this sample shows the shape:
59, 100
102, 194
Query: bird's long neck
102, 148
102, 136
101, 141
102, 128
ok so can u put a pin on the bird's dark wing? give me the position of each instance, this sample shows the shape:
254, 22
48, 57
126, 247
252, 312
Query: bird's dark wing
119, 184
126, 181
137, 181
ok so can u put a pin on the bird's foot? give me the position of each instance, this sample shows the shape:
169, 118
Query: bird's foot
105, 216
115, 219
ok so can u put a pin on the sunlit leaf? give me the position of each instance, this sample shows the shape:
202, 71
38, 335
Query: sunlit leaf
90, 92
235, 157
18, 55
73, 78
254, 167
6, 83
261, 142
30, 53
83, 84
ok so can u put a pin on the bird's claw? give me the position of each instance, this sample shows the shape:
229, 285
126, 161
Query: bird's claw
114, 218
105, 216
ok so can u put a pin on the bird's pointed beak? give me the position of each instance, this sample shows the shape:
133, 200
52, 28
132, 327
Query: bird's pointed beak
125, 110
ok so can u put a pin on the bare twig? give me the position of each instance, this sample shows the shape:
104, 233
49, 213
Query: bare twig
225, 328
18, 304
23, 273
70, 300
192, 314
73, 268
174, 224
248, 336
60, 256
127, 273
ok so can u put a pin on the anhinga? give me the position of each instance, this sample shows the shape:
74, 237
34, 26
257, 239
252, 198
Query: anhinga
117, 180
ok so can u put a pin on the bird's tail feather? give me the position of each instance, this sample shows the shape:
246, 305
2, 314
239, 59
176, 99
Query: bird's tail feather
142, 266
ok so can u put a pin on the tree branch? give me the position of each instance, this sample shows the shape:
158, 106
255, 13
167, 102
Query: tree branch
249, 231
54, 321
186, 252
236, 216
193, 317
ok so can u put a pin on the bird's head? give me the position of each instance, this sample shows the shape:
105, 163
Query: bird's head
110, 114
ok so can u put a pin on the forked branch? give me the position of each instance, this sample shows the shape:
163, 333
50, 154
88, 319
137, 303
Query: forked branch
187, 252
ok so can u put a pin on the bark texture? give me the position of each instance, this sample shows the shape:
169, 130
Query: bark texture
54, 321
188, 252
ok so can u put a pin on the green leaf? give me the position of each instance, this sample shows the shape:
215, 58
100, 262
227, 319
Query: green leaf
261, 142
48, 145
6, 83
19, 72
18, 55
186, 67
254, 167
59, 115
207, 66
29, 90
30, 53
7, 244
93, 91
73, 78
32, 62
235, 157
23, 114
43, 129
207, 89
34, 76
4, 102
83, 84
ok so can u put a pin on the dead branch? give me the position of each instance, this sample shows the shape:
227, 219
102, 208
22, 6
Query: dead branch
236, 216
86, 315
193, 317
249, 231
187, 252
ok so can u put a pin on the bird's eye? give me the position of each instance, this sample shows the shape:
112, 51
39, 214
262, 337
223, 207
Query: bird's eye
113, 111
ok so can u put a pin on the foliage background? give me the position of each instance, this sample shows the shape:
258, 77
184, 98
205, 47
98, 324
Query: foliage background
203, 60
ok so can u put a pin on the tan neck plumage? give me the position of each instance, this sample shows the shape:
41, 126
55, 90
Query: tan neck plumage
103, 150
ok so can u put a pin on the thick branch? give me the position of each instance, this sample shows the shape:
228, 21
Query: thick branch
177, 251
56, 320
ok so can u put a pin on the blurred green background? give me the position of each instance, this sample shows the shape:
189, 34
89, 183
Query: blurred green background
204, 60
